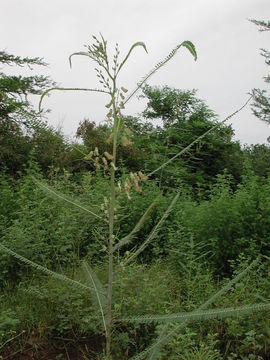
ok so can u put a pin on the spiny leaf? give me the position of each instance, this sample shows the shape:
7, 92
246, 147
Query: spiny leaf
53, 192
67, 89
154, 232
200, 315
198, 139
128, 238
155, 353
98, 290
45, 270
139, 43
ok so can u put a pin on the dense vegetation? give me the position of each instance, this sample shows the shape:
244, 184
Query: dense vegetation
204, 220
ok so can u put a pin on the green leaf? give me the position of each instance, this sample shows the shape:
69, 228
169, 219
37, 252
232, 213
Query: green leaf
80, 53
139, 43
128, 238
98, 291
199, 315
168, 334
154, 232
191, 48
45, 270
188, 44
68, 89
66, 198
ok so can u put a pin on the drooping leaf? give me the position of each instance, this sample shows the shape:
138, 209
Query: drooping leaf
68, 89
188, 44
79, 53
199, 138
139, 43
98, 291
53, 192
45, 270
191, 48
130, 237
154, 232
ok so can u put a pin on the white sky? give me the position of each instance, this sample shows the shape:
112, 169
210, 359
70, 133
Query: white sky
229, 64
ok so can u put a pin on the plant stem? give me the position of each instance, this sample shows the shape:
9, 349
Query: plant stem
111, 230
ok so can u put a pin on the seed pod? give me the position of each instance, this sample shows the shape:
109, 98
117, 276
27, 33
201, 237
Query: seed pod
119, 186
109, 115
109, 105
126, 142
109, 139
143, 177
127, 185
108, 156
124, 89
138, 189
113, 166
89, 156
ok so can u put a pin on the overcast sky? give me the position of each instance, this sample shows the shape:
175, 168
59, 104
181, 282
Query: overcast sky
229, 64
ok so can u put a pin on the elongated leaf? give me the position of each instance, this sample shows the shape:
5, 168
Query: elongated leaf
155, 353
69, 200
130, 237
187, 44
154, 232
99, 292
157, 344
191, 48
79, 53
187, 148
139, 43
45, 270
200, 315
67, 89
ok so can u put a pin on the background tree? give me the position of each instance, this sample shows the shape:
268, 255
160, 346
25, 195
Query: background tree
21, 129
184, 118
261, 104
15, 89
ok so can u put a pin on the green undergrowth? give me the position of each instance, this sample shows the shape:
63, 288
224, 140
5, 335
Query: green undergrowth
43, 308
201, 245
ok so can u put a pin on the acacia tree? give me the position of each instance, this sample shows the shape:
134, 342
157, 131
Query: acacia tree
261, 104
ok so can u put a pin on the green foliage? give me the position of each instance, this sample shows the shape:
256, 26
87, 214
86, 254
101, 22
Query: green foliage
14, 90
229, 223
261, 105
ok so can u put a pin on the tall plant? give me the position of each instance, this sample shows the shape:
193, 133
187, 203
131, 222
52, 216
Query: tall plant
107, 73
